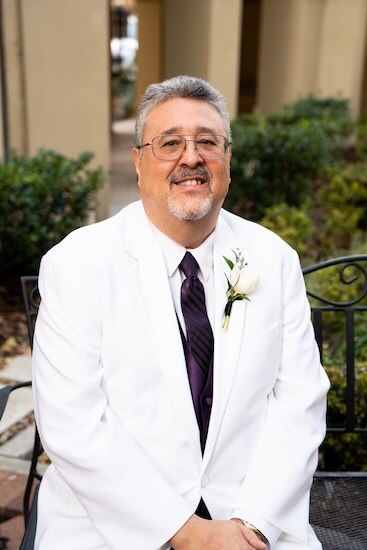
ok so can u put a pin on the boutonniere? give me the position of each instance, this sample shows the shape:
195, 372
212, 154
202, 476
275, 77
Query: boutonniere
242, 280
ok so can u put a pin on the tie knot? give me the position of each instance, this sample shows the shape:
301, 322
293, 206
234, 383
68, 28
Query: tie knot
189, 265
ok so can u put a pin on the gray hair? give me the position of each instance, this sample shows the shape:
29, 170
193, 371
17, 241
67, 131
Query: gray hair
182, 87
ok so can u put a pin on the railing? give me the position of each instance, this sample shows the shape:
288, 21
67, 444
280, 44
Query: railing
352, 273
338, 499
337, 290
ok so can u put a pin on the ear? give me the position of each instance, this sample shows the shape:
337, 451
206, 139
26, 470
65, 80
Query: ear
137, 160
229, 153
229, 156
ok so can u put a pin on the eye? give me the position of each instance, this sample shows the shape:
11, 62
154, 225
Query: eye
170, 143
207, 141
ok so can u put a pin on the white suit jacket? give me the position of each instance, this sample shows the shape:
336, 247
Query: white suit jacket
113, 402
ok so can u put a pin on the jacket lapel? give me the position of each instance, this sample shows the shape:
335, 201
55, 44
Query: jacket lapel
155, 294
227, 344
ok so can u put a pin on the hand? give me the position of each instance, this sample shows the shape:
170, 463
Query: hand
199, 533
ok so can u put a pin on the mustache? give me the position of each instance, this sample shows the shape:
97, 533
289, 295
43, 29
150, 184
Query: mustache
190, 174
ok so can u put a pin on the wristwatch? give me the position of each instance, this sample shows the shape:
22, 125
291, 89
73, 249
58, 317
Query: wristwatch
256, 531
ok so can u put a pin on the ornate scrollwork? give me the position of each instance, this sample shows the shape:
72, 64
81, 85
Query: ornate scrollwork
34, 297
31, 300
359, 273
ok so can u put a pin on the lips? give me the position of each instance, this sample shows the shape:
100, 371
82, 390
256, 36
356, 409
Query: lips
190, 183
190, 177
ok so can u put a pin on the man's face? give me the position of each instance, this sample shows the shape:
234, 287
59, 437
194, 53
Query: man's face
189, 188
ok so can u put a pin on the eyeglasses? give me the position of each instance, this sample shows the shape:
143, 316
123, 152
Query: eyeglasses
171, 146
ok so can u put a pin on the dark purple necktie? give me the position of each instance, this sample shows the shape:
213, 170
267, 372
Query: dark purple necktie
200, 341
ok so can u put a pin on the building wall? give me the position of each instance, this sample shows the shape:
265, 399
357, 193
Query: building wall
187, 38
2, 144
305, 47
203, 39
342, 55
225, 50
151, 43
13, 46
363, 109
58, 68
59, 83
314, 46
250, 32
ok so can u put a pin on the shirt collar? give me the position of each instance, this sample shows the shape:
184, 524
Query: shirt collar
174, 252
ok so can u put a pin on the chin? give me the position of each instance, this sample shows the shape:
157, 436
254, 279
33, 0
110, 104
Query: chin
191, 210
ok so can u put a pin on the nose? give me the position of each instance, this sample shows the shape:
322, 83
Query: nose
190, 155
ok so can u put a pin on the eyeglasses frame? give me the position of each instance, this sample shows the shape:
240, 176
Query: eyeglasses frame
227, 143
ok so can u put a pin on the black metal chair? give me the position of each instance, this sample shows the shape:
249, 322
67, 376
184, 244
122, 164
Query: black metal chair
339, 499
31, 301
338, 510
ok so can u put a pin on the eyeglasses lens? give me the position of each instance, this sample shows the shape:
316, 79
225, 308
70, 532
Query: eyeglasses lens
171, 147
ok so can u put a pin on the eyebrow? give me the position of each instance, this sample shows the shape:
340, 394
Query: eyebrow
199, 130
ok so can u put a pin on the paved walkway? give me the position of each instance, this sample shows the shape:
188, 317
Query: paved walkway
124, 188
16, 452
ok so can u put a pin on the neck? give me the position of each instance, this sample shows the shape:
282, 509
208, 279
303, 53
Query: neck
189, 234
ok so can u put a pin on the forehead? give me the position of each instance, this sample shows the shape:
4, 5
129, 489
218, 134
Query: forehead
183, 116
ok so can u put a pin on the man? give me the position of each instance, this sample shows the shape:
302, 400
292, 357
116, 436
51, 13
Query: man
164, 429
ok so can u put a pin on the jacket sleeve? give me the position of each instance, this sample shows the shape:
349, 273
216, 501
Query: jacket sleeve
128, 500
275, 492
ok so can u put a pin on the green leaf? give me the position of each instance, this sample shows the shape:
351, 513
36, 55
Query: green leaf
228, 283
229, 262
241, 297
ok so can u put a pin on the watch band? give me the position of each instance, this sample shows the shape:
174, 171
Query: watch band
257, 531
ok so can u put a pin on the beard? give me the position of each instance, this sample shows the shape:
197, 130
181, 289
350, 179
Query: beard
190, 207
192, 210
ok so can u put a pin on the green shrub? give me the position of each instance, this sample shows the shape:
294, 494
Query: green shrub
333, 219
41, 200
276, 158
334, 112
314, 107
341, 207
345, 451
361, 142
293, 224
303, 173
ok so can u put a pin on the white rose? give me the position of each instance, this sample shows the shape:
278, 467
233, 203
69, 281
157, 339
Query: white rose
243, 280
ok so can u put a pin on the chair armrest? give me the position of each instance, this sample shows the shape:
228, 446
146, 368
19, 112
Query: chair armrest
6, 391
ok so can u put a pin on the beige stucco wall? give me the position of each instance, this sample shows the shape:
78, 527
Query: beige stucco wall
342, 50
225, 49
187, 38
151, 24
313, 46
364, 87
1, 126
289, 51
203, 39
15, 74
66, 62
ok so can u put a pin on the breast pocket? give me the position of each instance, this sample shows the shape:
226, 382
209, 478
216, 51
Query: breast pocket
260, 355
263, 338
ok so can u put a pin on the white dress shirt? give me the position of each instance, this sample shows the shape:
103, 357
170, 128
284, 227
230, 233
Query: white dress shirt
173, 255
